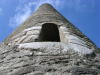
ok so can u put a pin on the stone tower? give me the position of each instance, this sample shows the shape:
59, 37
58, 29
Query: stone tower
48, 25
48, 44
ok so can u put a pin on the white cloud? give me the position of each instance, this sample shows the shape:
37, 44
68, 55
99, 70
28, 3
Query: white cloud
24, 10
26, 7
20, 17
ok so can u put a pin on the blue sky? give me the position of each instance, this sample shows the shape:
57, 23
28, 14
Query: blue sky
84, 14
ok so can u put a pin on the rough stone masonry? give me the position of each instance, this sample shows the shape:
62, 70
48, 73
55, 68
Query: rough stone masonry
48, 44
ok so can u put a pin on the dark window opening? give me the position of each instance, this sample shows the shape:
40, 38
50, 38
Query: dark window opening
49, 32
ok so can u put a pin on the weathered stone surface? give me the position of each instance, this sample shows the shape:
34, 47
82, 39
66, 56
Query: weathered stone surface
25, 52
21, 61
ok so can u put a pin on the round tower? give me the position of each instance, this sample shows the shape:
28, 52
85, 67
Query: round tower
32, 30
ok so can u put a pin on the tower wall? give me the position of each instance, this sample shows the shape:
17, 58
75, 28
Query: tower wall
47, 14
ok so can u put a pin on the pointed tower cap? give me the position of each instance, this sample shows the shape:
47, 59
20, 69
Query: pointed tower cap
45, 8
48, 10
47, 14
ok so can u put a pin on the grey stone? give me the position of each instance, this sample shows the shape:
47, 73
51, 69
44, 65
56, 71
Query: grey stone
32, 50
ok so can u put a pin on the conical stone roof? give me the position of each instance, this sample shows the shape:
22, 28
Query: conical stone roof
47, 14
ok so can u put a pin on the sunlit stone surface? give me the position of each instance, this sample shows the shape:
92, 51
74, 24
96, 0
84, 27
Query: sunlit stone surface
48, 44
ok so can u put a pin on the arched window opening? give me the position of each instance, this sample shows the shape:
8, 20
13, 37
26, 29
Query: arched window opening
49, 32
